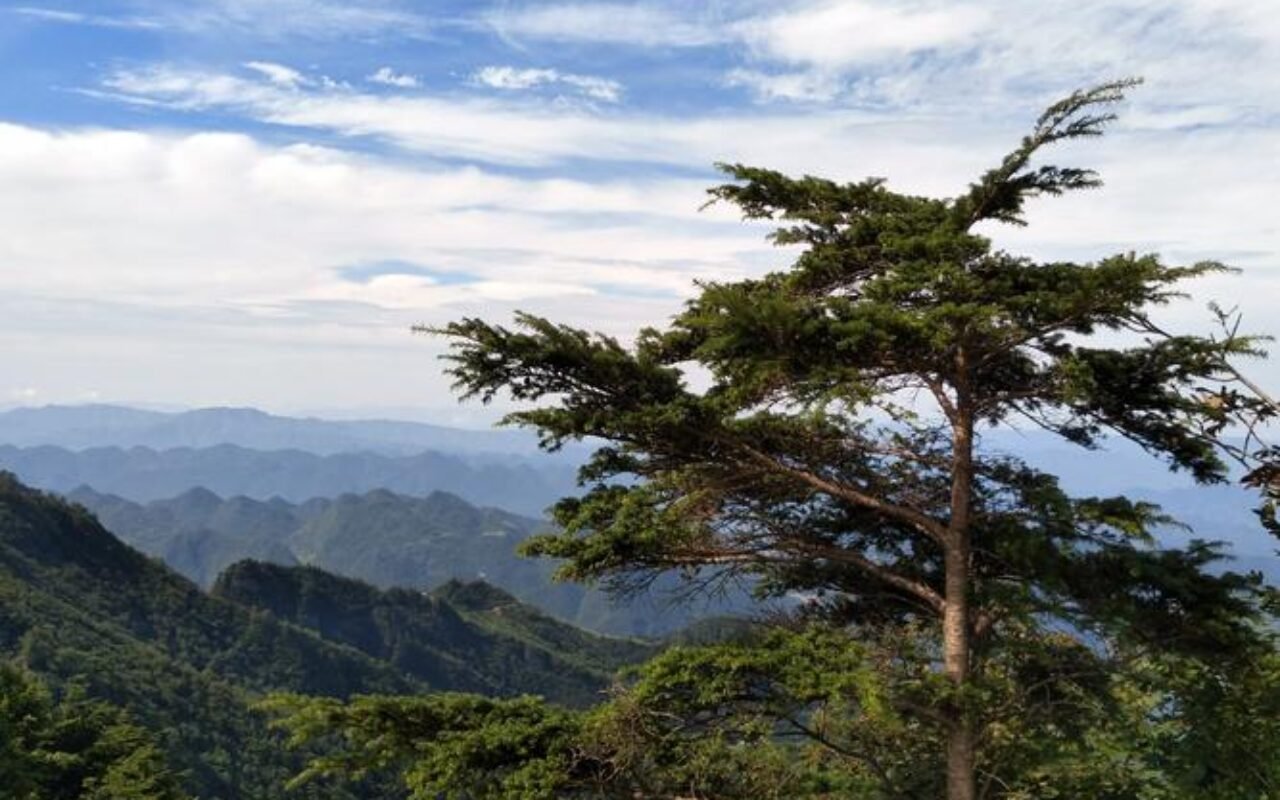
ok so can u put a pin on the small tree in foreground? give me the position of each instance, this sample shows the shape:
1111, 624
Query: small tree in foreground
836, 455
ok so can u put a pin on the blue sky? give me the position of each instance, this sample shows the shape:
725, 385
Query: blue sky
250, 201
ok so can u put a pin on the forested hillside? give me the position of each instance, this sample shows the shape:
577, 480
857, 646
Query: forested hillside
79, 606
470, 637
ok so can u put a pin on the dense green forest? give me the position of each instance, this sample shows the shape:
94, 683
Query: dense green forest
94, 618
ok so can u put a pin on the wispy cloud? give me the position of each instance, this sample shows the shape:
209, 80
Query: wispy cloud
603, 89
512, 132
258, 19
644, 24
278, 74
61, 16
803, 86
389, 77
321, 19
427, 199
247, 225
944, 53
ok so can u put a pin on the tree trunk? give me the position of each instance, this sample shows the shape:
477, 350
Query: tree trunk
955, 644
961, 783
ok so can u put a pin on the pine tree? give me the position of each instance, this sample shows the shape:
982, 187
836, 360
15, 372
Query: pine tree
837, 452
74, 748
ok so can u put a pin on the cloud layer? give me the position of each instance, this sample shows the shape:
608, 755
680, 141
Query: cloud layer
311, 177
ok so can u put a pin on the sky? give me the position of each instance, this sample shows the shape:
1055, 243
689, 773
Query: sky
250, 202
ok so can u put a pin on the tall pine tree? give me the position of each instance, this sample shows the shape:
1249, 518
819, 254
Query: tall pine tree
836, 452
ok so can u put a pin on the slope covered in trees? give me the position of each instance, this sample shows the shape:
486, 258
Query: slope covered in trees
470, 637
80, 607
73, 748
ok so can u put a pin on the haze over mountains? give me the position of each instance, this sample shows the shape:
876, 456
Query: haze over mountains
387, 539
102, 425
148, 455
142, 474
270, 482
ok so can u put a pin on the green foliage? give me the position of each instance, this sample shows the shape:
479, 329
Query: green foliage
837, 453
79, 608
801, 713
73, 748
446, 746
83, 610
465, 637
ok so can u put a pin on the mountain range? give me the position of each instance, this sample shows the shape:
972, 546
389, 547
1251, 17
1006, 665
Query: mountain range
80, 607
387, 539
231, 452
81, 427
142, 474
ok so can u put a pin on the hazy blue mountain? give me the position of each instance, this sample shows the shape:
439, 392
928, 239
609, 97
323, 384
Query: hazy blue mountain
381, 537
81, 427
143, 474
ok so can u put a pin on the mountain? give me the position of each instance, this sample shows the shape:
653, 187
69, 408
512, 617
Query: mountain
143, 474
386, 539
87, 426
472, 637
77, 605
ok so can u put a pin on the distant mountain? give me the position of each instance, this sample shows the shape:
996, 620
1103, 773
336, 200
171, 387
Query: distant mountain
387, 539
78, 605
466, 636
143, 474
84, 426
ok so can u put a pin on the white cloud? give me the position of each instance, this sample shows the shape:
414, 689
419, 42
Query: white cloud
389, 77
519, 133
641, 24
221, 221
208, 257
811, 86
591, 86
950, 55
256, 19
278, 74
836, 34
221, 243
281, 19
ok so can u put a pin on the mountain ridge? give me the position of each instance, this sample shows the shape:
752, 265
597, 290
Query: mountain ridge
78, 606
105, 425
385, 538
143, 474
